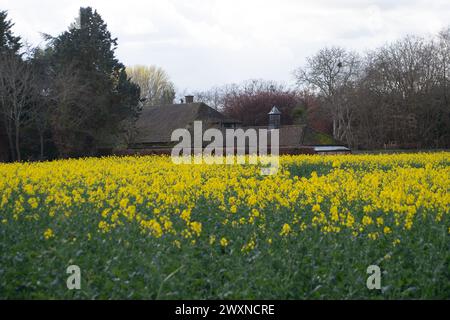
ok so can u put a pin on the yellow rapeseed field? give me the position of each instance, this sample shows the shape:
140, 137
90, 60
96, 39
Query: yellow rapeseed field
362, 202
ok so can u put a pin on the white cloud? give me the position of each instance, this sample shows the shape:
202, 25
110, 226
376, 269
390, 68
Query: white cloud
211, 42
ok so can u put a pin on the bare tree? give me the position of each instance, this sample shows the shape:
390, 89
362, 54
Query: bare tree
330, 73
213, 97
444, 56
404, 80
17, 91
66, 97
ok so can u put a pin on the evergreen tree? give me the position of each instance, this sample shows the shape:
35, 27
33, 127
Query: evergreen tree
108, 98
9, 56
8, 42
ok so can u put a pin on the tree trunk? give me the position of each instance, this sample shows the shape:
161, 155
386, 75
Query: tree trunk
41, 141
11, 147
334, 128
19, 158
10, 141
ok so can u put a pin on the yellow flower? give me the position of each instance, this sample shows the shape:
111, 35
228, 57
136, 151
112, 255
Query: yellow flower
303, 226
373, 235
103, 226
223, 242
123, 203
316, 208
366, 220
106, 212
153, 226
350, 220
255, 213
408, 224
380, 221
285, 230
370, 195
249, 246
48, 234
334, 213
196, 227
33, 202
28, 188
186, 215
130, 212
167, 224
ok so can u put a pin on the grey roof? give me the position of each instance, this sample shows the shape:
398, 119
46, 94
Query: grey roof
156, 124
274, 111
303, 135
291, 135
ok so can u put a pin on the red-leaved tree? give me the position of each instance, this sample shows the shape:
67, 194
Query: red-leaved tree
251, 101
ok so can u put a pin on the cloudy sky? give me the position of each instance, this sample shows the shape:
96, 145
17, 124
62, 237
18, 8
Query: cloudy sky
202, 43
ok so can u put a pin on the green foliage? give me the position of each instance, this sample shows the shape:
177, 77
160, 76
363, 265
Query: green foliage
155, 84
108, 97
324, 139
8, 42
313, 137
299, 115
126, 263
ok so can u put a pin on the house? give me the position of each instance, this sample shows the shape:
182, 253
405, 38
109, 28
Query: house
303, 139
155, 125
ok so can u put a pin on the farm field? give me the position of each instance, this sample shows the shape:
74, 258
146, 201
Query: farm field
145, 228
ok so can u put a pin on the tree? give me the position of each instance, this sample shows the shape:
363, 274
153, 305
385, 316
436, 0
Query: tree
13, 83
17, 91
8, 41
213, 97
9, 47
443, 126
54, 92
403, 80
251, 101
395, 95
154, 82
93, 121
331, 72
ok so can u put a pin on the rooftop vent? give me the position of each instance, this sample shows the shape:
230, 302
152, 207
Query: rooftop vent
189, 99
274, 118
